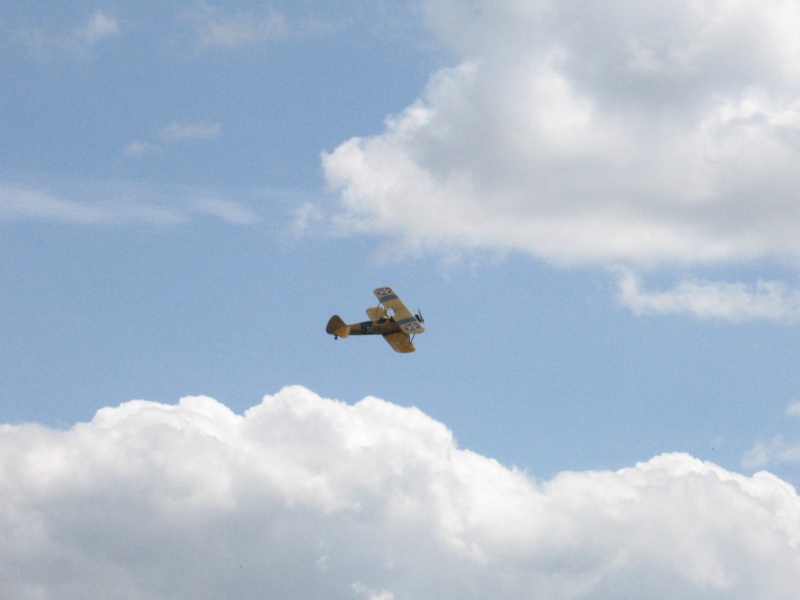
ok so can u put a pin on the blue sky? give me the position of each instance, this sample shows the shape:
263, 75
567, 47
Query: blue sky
595, 207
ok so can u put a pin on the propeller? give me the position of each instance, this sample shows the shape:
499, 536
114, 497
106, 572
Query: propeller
419, 316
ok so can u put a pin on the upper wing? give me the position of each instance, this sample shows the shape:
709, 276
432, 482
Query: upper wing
399, 341
402, 316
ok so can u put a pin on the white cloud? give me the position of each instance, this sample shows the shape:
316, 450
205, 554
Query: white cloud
793, 410
776, 451
77, 42
225, 210
362, 591
138, 149
99, 27
593, 133
766, 301
174, 133
18, 202
304, 217
214, 28
112, 203
179, 132
307, 497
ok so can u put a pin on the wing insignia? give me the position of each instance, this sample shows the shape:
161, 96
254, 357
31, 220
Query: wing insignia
404, 318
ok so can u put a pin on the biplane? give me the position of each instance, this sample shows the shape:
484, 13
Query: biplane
390, 318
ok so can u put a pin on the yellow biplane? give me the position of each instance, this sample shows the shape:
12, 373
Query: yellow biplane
390, 318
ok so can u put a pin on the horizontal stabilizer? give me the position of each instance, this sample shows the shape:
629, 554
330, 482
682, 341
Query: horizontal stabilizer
338, 327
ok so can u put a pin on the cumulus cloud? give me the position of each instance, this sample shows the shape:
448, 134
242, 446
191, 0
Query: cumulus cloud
307, 497
591, 133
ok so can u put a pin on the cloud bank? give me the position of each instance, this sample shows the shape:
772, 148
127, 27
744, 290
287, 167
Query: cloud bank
593, 134
303, 496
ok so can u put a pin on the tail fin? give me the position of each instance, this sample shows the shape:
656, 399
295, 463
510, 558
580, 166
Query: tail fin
338, 327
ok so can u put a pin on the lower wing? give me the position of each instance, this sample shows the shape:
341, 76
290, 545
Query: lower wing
399, 341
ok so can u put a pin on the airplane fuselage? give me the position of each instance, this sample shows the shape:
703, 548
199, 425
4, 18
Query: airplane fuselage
380, 327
